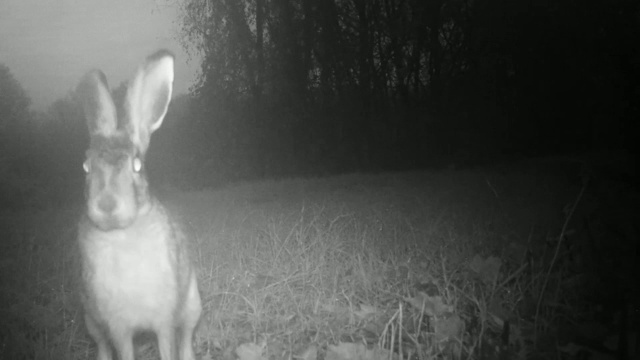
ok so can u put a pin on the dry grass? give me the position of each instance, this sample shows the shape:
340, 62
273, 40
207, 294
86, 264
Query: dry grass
455, 264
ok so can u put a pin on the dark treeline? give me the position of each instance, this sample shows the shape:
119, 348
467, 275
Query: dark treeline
41, 153
290, 87
325, 85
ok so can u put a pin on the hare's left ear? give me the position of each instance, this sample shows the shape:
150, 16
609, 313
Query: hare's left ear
148, 98
99, 110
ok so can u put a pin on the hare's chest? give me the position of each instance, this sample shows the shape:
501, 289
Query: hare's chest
133, 277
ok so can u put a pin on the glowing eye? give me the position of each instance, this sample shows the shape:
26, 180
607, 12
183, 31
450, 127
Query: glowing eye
137, 164
86, 166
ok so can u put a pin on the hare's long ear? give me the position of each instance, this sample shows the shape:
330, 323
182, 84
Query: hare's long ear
148, 97
98, 106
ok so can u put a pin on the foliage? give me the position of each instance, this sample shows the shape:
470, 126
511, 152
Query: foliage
328, 85
14, 102
63, 140
41, 152
14, 112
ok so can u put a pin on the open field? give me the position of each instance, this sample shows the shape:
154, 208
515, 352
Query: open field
471, 264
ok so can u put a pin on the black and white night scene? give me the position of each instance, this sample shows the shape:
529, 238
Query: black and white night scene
319, 179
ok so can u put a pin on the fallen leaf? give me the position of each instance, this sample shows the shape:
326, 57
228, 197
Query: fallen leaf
516, 252
486, 269
365, 311
206, 356
428, 287
447, 328
351, 351
310, 354
432, 305
251, 351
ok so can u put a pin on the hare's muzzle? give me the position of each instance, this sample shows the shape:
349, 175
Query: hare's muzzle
107, 204
112, 193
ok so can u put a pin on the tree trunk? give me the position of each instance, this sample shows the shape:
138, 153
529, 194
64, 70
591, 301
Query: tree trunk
435, 63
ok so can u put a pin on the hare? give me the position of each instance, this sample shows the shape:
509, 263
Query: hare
136, 273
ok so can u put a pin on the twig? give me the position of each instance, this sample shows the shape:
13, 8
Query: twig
492, 188
555, 258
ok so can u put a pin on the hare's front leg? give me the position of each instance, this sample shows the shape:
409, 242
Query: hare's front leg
189, 319
98, 335
166, 340
123, 341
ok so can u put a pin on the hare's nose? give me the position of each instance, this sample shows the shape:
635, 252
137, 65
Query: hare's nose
107, 204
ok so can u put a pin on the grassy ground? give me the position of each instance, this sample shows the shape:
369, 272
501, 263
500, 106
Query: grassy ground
450, 264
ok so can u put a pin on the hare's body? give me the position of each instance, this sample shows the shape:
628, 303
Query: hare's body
138, 278
135, 259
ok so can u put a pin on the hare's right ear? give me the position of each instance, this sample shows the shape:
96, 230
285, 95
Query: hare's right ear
98, 106
148, 98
